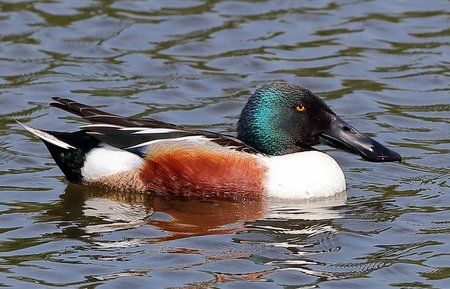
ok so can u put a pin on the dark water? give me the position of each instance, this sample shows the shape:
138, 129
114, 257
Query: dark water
383, 65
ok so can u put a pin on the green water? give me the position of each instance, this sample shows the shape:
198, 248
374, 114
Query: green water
382, 65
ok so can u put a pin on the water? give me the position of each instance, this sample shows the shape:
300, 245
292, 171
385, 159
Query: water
382, 65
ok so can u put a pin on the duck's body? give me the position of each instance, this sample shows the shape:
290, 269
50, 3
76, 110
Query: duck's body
197, 165
200, 168
145, 155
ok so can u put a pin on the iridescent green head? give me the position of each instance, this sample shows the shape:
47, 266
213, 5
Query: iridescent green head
282, 118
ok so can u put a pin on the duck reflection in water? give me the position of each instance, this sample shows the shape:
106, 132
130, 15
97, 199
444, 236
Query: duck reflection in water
179, 218
245, 229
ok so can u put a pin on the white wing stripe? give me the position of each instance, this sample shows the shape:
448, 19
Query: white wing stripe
137, 130
152, 130
185, 138
101, 125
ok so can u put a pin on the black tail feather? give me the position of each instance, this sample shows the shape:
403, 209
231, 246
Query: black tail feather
68, 149
71, 160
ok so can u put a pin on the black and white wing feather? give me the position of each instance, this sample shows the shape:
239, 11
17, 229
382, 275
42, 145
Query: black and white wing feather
134, 134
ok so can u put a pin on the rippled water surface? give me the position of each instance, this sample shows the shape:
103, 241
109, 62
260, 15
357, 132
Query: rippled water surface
382, 65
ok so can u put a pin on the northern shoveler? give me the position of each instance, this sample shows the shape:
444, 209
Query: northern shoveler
271, 156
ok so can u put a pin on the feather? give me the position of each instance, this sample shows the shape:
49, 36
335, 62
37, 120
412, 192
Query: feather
132, 134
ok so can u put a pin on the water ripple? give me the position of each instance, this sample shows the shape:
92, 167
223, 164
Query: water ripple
382, 65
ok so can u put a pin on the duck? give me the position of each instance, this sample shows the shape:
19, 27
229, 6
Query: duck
273, 154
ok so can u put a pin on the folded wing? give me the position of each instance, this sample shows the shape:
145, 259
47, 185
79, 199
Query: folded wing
135, 135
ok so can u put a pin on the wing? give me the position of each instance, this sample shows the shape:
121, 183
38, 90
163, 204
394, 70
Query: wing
136, 135
95, 115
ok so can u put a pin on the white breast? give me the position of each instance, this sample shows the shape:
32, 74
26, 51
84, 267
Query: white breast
310, 174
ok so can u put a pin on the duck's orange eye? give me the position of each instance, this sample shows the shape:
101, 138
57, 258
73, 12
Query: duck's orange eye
300, 107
